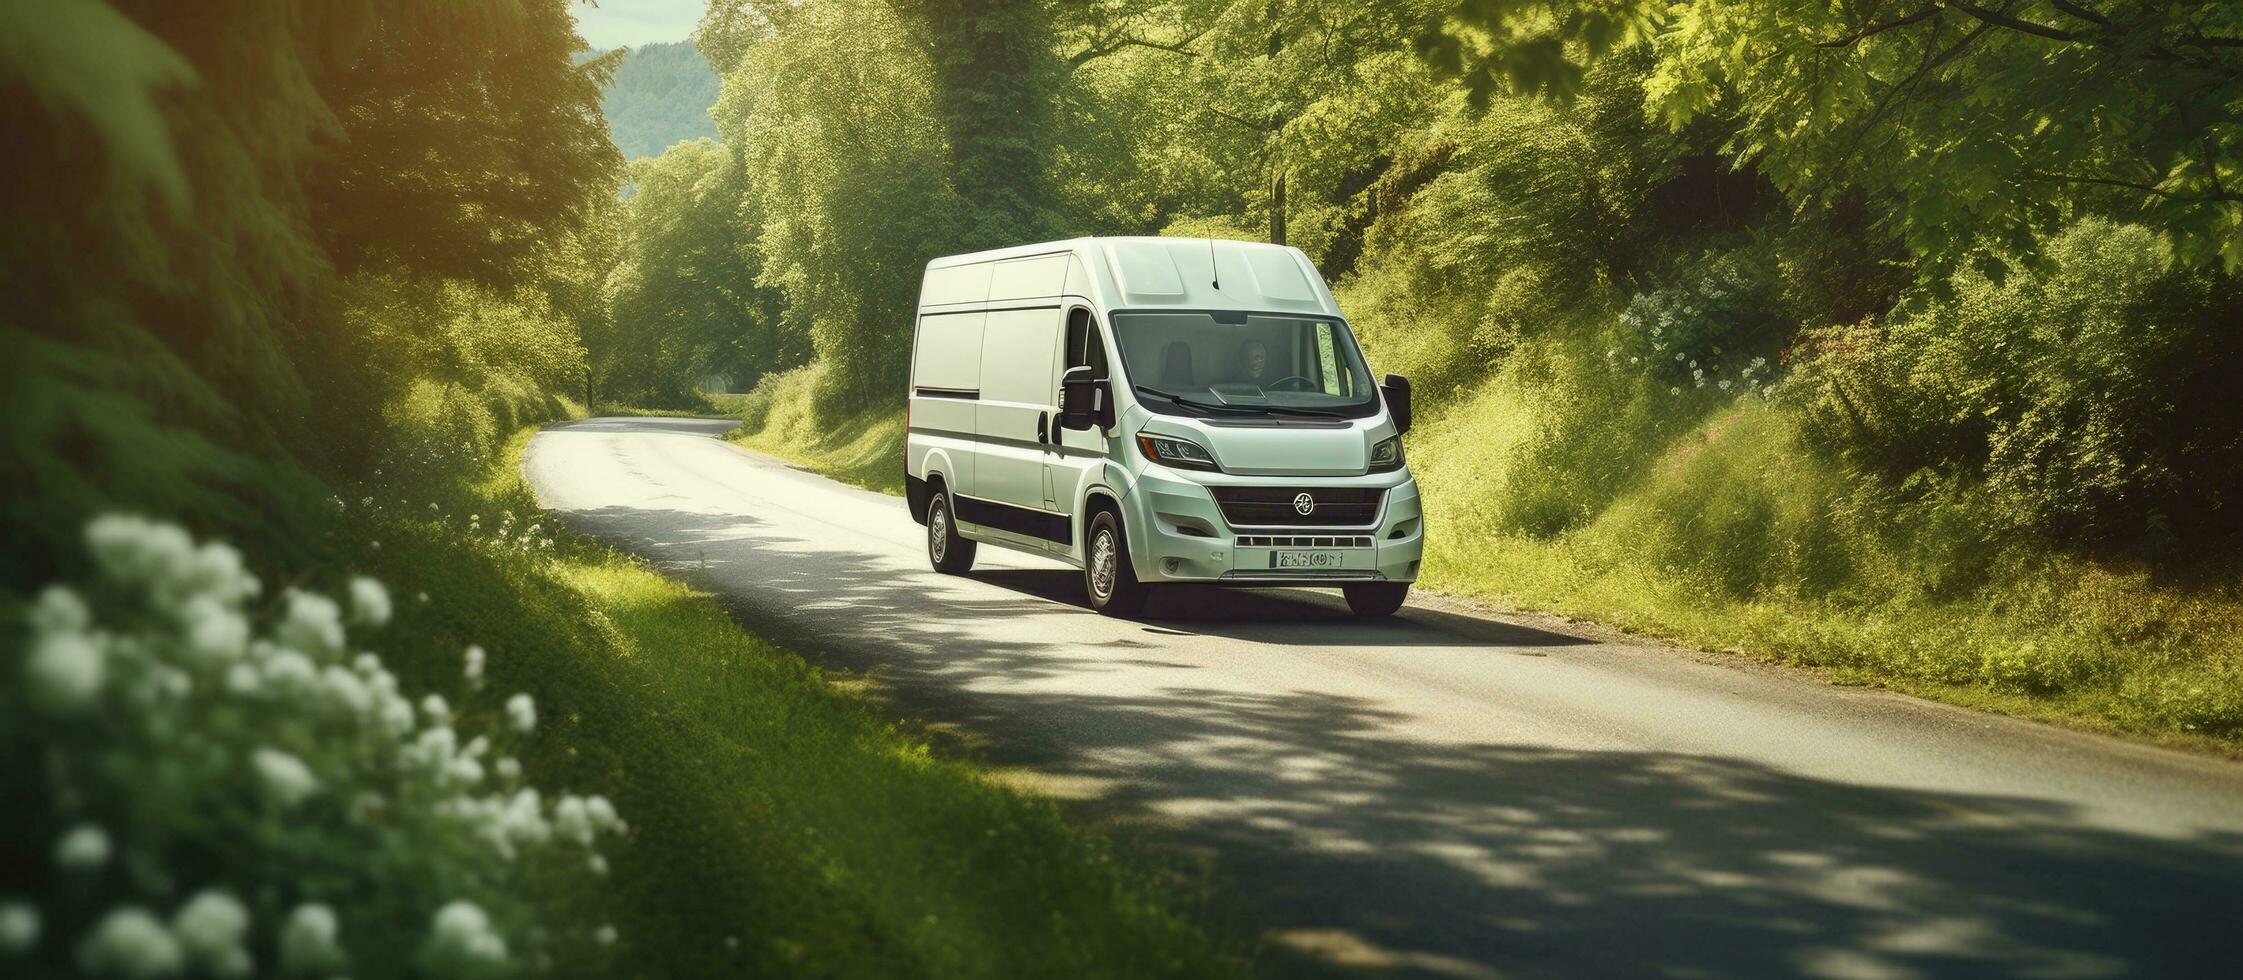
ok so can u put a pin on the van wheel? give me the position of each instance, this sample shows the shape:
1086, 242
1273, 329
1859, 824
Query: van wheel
1107, 576
946, 551
1376, 598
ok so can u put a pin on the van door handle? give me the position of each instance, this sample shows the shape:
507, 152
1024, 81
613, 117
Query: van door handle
1043, 427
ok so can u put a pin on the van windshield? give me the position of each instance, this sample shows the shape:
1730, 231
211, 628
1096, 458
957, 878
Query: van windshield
1223, 365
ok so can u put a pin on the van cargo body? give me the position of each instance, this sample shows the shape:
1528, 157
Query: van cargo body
1156, 411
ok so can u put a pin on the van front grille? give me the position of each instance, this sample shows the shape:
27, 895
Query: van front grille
1281, 506
1304, 541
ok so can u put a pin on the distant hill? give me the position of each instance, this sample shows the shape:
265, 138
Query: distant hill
661, 94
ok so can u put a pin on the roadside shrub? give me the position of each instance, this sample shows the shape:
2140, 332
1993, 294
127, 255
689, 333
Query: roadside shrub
2094, 399
224, 787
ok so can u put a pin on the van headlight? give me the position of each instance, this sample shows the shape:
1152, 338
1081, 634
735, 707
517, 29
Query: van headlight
1387, 455
1171, 451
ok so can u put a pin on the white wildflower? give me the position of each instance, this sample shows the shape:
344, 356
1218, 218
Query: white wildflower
421, 597
732, 942
214, 570
135, 550
19, 927
1723, 384
462, 938
346, 691
597, 863
508, 768
312, 623
285, 775
474, 666
369, 601
604, 935
66, 671
1674, 390
603, 814
243, 679
464, 771
521, 712
130, 942
438, 712
433, 750
290, 672
572, 821
83, 848
396, 713
210, 927
523, 820
308, 942
215, 633
59, 610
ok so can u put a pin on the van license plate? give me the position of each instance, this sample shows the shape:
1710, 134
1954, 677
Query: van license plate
1304, 559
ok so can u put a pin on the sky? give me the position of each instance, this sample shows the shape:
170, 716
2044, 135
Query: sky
630, 23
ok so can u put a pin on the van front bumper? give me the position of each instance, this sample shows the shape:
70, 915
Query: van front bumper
1177, 533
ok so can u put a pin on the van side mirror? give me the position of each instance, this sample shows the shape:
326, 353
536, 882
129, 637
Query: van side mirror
1396, 388
1085, 402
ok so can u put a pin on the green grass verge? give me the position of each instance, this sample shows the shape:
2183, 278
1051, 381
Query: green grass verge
1712, 524
780, 826
781, 418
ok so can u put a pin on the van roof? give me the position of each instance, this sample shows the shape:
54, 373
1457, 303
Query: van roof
1178, 273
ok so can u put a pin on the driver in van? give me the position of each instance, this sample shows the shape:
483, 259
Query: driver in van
1253, 362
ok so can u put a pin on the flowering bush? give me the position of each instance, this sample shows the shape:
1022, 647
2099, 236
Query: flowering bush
1697, 334
228, 791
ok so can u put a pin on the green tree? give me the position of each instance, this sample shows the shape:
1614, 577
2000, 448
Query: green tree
1977, 129
846, 162
686, 307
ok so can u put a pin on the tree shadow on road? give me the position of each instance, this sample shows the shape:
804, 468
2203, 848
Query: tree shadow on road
1349, 845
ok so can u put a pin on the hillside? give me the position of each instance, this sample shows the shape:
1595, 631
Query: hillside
661, 95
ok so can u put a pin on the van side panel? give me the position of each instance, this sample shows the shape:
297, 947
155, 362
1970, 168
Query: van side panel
955, 284
945, 387
1018, 390
1032, 278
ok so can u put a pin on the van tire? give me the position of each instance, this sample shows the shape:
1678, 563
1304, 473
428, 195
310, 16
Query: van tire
946, 551
1107, 575
1376, 598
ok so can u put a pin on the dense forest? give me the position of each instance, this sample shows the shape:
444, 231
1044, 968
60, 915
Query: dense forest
660, 95
1894, 338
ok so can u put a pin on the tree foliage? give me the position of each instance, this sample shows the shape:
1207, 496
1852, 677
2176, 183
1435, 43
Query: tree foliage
1978, 129
684, 306
197, 196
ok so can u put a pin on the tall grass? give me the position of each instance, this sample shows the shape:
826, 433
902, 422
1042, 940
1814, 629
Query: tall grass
1567, 484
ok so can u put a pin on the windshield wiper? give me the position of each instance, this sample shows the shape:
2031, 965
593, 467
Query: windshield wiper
1195, 403
1312, 412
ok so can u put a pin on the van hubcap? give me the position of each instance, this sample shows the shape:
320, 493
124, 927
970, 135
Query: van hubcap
938, 530
1102, 564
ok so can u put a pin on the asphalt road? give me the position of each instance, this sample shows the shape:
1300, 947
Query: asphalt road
1453, 793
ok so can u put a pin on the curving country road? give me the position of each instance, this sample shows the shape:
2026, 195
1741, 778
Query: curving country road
1458, 794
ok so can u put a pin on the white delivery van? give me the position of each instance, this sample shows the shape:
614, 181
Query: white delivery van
1158, 410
